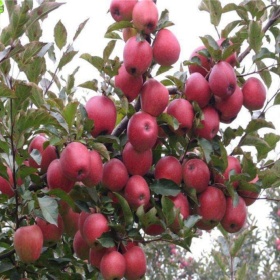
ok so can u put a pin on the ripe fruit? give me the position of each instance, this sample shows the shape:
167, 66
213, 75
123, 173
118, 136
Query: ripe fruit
137, 192
56, 179
166, 48
137, 163
6, 186
51, 233
96, 255
142, 131
80, 246
182, 110
114, 175
235, 215
82, 217
205, 62
128, 32
145, 16
197, 89
154, 229
229, 108
169, 167
196, 174
112, 266
47, 155
102, 110
254, 94
71, 222
128, 84
212, 206
210, 123
122, 9
95, 169
137, 56
75, 161
154, 97
222, 80
28, 243
136, 264
233, 167
94, 226
250, 196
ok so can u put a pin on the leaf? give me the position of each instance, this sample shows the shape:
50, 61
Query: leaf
60, 35
62, 195
255, 35
191, 221
69, 113
30, 51
6, 266
207, 148
106, 240
165, 187
263, 53
277, 99
229, 27
118, 26
257, 124
66, 58
168, 210
80, 28
109, 49
165, 118
96, 61
214, 8
49, 208
128, 216
19, 18
264, 73
163, 69
6, 92
241, 273
220, 260
93, 85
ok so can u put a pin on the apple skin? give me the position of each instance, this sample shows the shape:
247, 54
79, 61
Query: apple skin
96, 168
122, 9
137, 56
232, 59
145, 16
197, 89
210, 123
154, 97
75, 161
71, 222
169, 167
56, 179
136, 263
103, 112
222, 80
113, 266
137, 163
212, 206
206, 62
235, 216
229, 108
80, 246
154, 229
196, 175
28, 243
137, 192
51, 233
166, 48
47, 155
94, 226
96, 255
142, 131
115, 175
254, 94
128, 84
128, 32
249, 196
182, 110
6, 186
233, 164
82, 217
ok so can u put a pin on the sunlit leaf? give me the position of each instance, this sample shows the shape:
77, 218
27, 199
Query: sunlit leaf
60, 35
165, 187
49, 208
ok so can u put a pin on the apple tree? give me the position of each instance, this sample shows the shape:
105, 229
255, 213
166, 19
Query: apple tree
153, 153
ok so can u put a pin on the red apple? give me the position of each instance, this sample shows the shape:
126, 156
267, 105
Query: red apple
196, 175
102, 110
154, 229
250, 196
71, 222
145, 16
197, 89
128, 32
137, 56
128, 84
115, 175
96, 255
137, 192
154, 97
75, 161
28, 243
82, 217
137, 163
169, 167
6, 186
166, 48
142, 131
136, 264
122, 9
254, 94
235, 215
112, 266
80, 246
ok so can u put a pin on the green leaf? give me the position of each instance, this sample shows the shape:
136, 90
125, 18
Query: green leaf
163, 69
264, 73
109, 49
128, 216
6, 92
191, 221
165, 118
255, 35
80, 28
206, 148
19, 18
93, 85
34, 32
168, 210
212, 47
277, 99
214, 8
69, 113
49, 208
262, 54
106, 240
30, 51
66, 58
165, 187
6, 266
257, 124
60, 35
113, 35
220, 260
241, 272
118, 26
229, 28
96, 61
